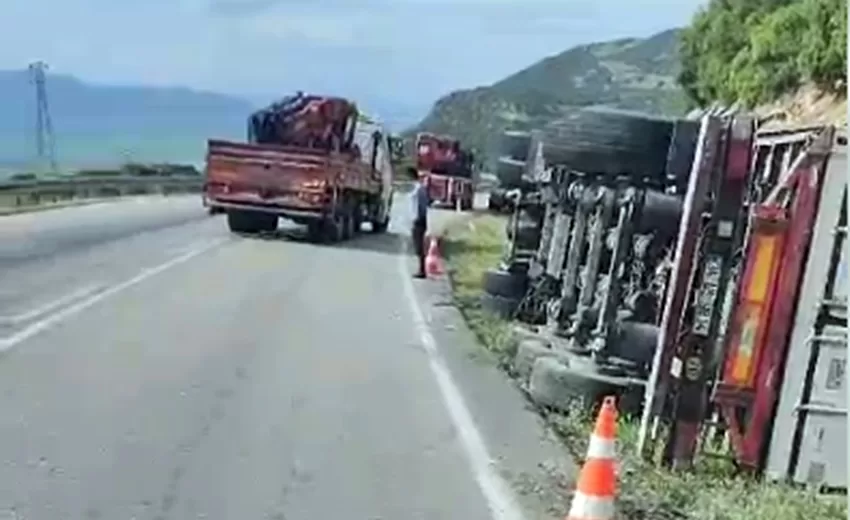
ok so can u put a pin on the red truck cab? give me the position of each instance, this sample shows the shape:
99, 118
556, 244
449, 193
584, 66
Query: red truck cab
449, 170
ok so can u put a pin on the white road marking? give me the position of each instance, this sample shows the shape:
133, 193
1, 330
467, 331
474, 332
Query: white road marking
67, 312
499, 496
49, 306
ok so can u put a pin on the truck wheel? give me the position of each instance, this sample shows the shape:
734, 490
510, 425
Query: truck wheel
346, 222
516, 144
334, 230
266, 222
358, 219
381, 227
611, 142
245, 221
316, 231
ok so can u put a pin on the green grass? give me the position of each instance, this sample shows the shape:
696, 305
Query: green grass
471, 247
709, 492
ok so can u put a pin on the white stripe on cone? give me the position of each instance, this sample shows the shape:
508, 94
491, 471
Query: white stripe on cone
591, 507
601, 448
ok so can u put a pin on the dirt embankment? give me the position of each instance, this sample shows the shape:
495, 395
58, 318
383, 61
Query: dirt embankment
808, 106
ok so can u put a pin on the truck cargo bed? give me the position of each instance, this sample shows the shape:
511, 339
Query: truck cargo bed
290, 181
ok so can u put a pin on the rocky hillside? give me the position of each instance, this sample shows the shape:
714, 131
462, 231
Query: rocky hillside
635, 74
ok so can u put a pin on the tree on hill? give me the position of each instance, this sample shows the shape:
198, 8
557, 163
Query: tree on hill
754, 51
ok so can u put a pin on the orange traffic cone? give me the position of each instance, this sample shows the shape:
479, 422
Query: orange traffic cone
597, 482
433, 263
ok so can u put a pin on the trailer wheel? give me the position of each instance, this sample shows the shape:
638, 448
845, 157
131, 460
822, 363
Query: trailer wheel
504, 283
527, 237
609, 142
565, 381
515, 144
381, 226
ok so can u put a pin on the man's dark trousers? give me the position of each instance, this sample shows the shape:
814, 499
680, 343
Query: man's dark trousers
420, 227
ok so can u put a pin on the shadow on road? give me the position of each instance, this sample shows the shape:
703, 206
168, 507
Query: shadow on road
387, 243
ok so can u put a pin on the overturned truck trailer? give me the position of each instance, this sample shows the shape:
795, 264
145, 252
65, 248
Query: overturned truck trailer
709, 278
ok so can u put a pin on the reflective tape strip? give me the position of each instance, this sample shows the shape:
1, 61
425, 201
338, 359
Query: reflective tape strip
586, 507
600, 448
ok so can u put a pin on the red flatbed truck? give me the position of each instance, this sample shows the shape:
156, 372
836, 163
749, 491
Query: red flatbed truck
332, 190
449, 169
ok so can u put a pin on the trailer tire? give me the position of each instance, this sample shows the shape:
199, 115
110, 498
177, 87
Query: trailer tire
510, 172
609, 142
499, 306
557, 383
528, 351
503, 283
528, 237
515, 145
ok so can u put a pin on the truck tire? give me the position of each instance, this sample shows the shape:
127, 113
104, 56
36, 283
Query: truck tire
267, 222
510, 172
346, 223
515, 145
240, 221
381, 227
499, 306
503, 283
609, 142
334, 230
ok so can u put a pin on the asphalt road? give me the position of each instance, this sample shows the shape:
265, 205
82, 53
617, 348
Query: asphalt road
156, 367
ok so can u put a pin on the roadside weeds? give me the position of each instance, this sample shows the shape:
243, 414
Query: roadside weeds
711, 491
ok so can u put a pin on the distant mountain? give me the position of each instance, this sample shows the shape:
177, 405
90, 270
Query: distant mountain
634, 73
100, 124
106, 124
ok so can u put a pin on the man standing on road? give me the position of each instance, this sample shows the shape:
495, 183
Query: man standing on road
420, 200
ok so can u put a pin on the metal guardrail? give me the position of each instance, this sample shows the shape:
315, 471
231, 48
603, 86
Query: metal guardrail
94, 181
36, 192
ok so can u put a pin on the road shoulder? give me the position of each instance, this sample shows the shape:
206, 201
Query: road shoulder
525, 451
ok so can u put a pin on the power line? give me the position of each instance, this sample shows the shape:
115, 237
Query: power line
45, 140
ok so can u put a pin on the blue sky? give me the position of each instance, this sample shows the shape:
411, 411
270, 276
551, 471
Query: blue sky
406, 51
